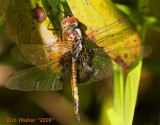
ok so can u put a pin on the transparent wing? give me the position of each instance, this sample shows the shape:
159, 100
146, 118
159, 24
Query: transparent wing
34, 79
120, 41
46, 57
17, 54
119, 25
122, 46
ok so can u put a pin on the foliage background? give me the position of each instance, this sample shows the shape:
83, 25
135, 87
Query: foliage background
16, 104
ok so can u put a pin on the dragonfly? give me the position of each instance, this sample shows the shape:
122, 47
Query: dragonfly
74, 55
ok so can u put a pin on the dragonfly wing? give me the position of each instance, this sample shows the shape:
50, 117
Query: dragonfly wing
119, 25
47, 73
101, 63
46, 57
119, 39
122, 45
17, 54
102, 66
34, 79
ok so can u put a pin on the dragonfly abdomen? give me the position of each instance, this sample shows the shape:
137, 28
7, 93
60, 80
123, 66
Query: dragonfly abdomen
74, 87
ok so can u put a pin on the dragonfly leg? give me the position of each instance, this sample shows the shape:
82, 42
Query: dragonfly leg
54, 20
50, 28
75, 88
60, 10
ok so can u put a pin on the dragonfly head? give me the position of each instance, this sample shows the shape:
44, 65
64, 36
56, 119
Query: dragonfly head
69, 20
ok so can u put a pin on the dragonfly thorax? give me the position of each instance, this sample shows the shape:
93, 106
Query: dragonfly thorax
70, 31
69, 21
73, 34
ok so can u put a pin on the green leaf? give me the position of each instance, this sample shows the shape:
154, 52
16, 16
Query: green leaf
51, 7
26, 25
130, 96
116, 111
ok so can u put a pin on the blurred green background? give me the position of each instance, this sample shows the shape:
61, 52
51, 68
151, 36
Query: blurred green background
17, 104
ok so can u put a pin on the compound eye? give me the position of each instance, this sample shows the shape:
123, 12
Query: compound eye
70, 15
67, 16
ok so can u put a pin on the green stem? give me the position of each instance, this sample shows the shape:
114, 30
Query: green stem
115, 113
133, 79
